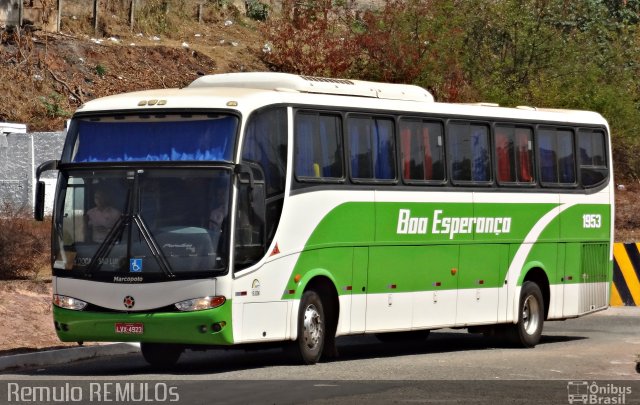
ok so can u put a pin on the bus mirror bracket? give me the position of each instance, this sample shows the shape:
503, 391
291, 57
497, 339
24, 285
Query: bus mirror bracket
38, 209
251, 173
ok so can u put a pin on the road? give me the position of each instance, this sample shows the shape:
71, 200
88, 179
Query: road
451, 366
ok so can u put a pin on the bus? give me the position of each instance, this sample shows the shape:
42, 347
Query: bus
251, 208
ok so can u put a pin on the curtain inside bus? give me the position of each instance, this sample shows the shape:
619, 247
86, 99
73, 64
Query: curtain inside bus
162, 140
525, 169
372, 148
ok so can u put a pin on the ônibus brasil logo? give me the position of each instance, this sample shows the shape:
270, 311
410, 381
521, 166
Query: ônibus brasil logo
583, 392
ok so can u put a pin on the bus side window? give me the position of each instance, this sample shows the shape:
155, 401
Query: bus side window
250, 221
514, 155
469, 150
265, 144
557, 160
371, 148
593, 162
318, 148
421, 144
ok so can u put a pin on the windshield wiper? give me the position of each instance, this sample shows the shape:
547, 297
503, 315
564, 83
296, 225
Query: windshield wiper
125, 222
105, 247
116, 233
153, 246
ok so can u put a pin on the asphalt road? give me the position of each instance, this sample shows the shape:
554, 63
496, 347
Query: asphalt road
451, 366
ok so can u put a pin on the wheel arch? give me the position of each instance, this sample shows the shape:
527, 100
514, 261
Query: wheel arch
538, 275
325, 286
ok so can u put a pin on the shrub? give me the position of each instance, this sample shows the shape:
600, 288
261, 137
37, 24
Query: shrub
53, 105
257, 10
24, 243
101, 70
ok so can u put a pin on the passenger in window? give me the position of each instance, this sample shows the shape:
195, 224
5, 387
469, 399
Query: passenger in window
102, 217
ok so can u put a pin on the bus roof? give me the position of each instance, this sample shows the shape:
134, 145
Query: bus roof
316, 85
247, 91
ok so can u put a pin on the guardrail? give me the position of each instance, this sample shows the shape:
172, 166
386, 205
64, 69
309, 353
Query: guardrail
625, 289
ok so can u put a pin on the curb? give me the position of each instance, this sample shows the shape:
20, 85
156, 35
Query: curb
59, 356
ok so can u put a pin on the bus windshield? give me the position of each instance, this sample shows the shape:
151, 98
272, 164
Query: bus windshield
160, 137
142, 225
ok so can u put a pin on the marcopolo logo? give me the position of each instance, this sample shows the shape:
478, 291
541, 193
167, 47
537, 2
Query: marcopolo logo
583, 392
441, 224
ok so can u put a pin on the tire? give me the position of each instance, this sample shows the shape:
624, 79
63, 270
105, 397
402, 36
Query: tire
414, 336
161, 355
311, 328
527, 331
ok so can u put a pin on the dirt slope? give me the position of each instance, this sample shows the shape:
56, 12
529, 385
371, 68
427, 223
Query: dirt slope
44, 77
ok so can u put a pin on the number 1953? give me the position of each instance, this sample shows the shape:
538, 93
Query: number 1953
591, 221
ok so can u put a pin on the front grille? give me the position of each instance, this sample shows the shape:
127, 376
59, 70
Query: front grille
97, 308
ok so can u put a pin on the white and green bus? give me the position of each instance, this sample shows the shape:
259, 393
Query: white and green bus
264, 207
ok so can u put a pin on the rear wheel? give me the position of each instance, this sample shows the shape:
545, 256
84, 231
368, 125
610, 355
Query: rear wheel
527, 331
161, 355
311, 328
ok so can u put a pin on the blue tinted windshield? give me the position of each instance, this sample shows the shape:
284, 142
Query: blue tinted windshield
154, 138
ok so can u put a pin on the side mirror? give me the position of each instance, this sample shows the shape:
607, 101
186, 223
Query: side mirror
38, 209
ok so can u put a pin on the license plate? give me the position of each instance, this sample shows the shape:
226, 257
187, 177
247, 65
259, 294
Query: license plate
136, 328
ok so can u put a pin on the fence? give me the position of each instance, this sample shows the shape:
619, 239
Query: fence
20, 155
47, 14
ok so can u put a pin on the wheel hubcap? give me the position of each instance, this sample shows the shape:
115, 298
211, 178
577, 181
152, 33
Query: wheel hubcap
312, 327
531, 315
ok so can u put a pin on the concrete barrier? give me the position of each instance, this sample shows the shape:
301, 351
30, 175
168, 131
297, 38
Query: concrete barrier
625, 289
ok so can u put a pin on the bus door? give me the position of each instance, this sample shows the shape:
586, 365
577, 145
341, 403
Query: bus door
482, 269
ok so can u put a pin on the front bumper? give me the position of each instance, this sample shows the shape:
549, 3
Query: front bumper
162, 327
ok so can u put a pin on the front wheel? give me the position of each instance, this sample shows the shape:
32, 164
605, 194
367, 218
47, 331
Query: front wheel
311, 328
527, 331
161, 355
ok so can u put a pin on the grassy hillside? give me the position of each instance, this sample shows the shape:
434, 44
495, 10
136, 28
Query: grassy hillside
551, 53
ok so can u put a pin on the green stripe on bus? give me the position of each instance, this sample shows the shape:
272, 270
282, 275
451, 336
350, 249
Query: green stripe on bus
443, 246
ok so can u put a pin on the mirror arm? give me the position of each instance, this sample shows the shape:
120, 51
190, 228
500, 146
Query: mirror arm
46, 166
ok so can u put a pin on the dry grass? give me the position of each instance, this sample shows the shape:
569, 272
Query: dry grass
24, 244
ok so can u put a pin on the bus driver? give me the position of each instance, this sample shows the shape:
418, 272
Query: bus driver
102, 217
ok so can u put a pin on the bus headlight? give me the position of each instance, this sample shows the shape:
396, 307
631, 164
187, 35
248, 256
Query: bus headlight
65, 302
198, 304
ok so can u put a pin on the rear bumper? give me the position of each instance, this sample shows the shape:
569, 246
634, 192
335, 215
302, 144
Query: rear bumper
164, 327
